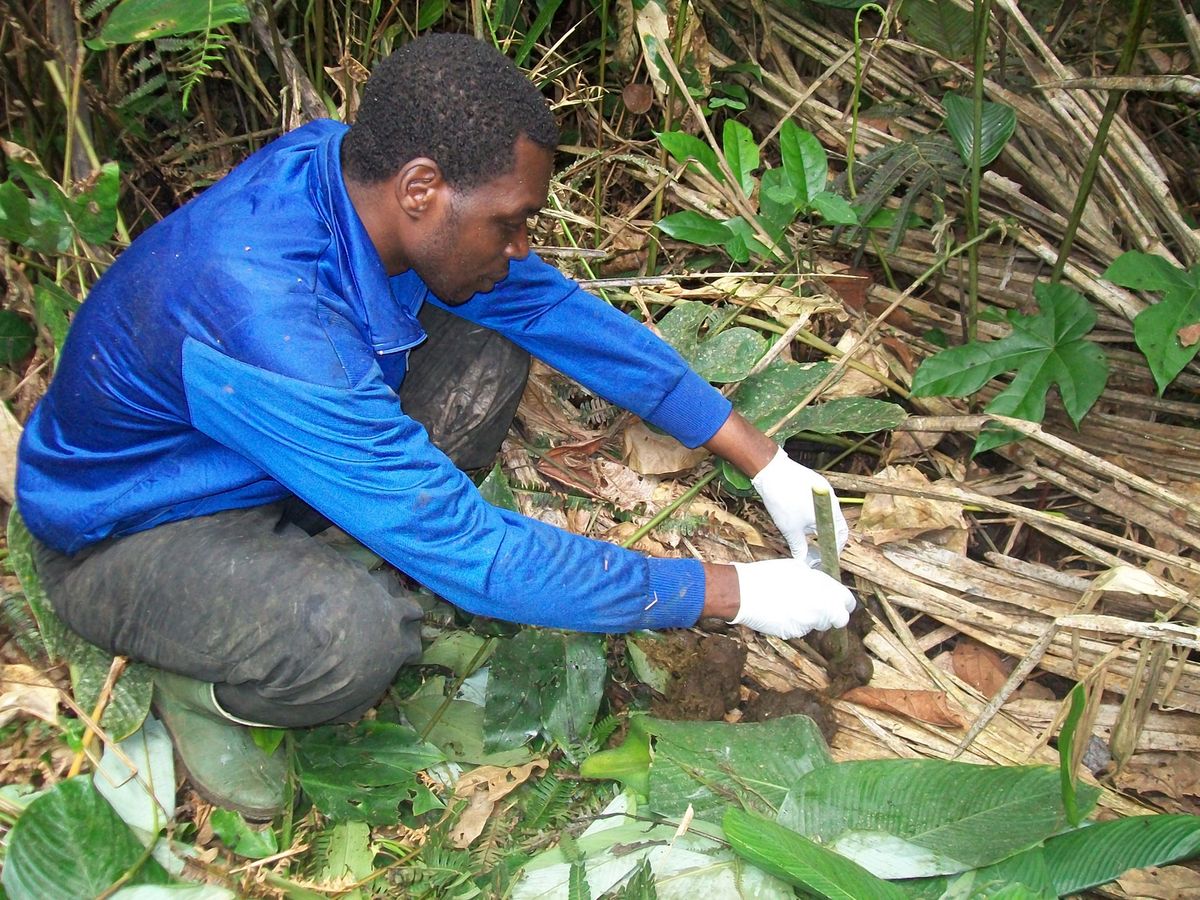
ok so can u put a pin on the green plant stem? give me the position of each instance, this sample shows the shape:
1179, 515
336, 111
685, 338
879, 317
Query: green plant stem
598, 187
839, 639
852, 143
479, 656
676, 48
983, 14
1137, 23
662, 515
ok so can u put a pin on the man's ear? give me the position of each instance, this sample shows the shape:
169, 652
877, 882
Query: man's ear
419, 187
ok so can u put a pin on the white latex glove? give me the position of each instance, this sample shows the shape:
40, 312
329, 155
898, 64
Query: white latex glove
786, 490
786, 598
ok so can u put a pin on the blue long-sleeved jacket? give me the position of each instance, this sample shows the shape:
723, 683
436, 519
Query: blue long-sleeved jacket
249, 346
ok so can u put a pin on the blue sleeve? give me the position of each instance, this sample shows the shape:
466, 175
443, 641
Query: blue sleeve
351, 453
583, 337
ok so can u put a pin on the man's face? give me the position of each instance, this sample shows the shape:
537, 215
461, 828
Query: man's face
468, 250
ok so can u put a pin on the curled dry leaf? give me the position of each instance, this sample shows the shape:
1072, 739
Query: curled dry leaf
887, 517
931, 707
23, 689
651, 453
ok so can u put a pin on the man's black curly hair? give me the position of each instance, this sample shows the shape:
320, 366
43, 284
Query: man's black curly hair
453, 99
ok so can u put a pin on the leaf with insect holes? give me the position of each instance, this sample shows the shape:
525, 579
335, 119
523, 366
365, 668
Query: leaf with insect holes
1045, 350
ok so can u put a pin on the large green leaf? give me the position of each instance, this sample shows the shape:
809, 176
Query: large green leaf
1157, 328
706, 764
69, 844
14, 214
687, 148
1045, 350
695, 228
1098, 853
456, 727
834, 209
940, 25
343, 853
54, 218
741, 152
766, 397
1019, 877
88, 664
800, 862
684, 867
241, 838
804, 162
543, 680
52, 306
996, 126
860, 415
144, 20
145, 801
1145, 272
778, 203
629, 763
912, 818
722, 357
16, 337
362, 773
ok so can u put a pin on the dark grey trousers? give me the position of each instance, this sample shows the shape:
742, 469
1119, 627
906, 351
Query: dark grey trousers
291, 632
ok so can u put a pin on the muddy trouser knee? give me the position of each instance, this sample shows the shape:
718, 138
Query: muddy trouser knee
291, 632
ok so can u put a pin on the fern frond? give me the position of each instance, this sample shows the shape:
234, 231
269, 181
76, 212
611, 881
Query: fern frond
922, 167
147, 88
93, 9
547, 801
17, 619
603, 729
200, 61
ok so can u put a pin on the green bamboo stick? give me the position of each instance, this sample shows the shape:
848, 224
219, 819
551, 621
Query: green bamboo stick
839, 641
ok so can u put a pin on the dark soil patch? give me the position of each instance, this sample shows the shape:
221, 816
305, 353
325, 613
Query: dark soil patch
706, 675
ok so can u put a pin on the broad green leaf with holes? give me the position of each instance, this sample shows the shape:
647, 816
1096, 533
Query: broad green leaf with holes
364, 772
914, 818
1045, 350
134, 21
996, 126
801, 862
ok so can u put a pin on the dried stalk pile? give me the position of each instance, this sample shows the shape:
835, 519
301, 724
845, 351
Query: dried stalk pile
1084, 562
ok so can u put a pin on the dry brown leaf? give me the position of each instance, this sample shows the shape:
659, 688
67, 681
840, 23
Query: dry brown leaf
497, 781
888, 517
485, 786
854, 383
23, 689
980, 666
638, 97
472, 821
648, 452
931, 707
1177, 775
1190, 334
1162, 883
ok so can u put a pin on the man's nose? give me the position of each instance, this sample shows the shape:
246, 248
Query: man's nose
518, 247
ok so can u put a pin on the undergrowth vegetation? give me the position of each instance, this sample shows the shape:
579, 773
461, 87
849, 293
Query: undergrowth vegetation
769, 187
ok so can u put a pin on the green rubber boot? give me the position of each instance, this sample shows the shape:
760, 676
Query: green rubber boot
218, 754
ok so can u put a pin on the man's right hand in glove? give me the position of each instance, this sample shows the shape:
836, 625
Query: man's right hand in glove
783, 597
